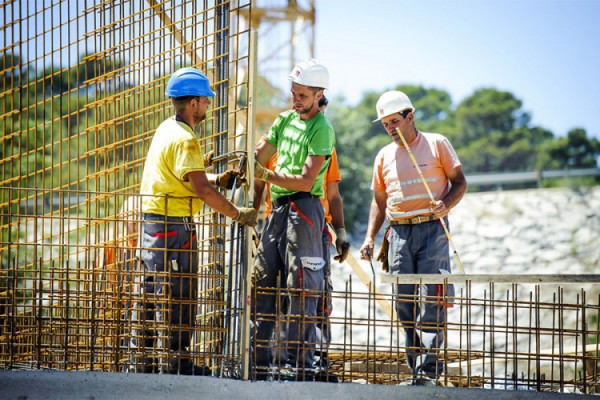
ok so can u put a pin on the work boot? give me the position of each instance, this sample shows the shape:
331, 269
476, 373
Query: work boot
261, 373
286, 373
424, 381
306, 375
187, 367
326, 376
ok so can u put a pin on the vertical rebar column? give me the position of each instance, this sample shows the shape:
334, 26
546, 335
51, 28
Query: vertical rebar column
222, 89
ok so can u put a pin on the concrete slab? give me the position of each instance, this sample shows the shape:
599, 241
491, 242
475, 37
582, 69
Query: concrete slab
30, 385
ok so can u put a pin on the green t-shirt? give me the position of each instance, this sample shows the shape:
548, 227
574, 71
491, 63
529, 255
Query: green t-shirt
295, 140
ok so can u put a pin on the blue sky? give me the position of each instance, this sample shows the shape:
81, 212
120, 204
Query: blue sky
546, 52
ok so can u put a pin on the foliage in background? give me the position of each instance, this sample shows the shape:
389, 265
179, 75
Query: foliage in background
489, 130
46, 117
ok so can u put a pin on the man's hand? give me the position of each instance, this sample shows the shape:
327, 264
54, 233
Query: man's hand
208, 158
366, 250
260, 172
225, 180
438, 207
341, 244
246, 216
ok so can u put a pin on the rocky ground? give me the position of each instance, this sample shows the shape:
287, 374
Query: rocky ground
529, 231
537, 231
523, 231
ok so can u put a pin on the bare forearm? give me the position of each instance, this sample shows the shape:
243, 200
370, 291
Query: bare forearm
456, 193
336, 209
376, 218
211, 196
217, 201
259, 188
300, 183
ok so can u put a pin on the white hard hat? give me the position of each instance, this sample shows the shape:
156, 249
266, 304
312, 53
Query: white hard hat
392, 102
310, 73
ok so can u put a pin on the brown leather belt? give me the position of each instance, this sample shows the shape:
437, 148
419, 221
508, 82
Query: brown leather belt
415, 220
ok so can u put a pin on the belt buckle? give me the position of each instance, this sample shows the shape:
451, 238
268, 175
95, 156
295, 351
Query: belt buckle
419, 219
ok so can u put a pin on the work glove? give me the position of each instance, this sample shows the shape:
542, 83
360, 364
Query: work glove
246, 216
225, 180
341, 244
208, 158
260, 172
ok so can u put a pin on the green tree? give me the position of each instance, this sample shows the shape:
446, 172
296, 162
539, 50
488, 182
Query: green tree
355, 151
487, 111
493, 133
575, 150
48, 115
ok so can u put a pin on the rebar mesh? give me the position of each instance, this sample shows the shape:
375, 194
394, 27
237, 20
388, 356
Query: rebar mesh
82, 93
83, 87
520, 336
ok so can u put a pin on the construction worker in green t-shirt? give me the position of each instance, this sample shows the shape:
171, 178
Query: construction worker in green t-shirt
291, 245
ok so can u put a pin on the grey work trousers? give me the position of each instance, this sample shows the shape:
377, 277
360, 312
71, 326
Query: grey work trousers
166, 302
291, 248
421, 249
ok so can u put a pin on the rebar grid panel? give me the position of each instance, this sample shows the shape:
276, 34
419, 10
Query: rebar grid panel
82, 93
519, 336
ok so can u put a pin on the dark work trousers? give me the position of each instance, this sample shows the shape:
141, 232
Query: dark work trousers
291, 247
167, 302
325, 305
420, 249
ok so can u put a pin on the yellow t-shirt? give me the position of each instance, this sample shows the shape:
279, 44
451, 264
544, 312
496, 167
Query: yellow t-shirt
173, 153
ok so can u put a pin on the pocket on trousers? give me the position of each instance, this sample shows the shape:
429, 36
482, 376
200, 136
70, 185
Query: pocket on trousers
312, 263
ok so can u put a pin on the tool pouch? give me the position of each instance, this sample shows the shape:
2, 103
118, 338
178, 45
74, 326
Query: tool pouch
382, 256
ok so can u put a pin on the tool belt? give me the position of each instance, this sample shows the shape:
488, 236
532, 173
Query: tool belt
283, 200
383, 256
415, 220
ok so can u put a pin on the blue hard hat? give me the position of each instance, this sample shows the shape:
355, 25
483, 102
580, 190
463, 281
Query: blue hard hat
188, 82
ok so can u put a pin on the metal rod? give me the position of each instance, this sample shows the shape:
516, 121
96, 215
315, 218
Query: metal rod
229, 155
416, 164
